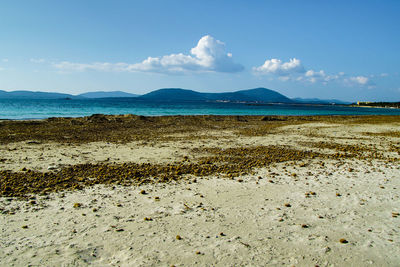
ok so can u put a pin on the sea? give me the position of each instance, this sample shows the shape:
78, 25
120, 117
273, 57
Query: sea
26, 109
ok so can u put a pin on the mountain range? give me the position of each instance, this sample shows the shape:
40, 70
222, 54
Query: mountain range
103, 94
261, 95
33, 95
46, 95
256, 95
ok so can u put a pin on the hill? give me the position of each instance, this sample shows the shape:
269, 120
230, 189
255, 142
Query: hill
34, 95
103, 94
174, 94
262, 95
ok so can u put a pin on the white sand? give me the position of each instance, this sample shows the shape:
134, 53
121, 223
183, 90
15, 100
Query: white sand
258, 229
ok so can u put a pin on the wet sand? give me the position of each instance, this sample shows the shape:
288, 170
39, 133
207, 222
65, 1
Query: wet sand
206, 191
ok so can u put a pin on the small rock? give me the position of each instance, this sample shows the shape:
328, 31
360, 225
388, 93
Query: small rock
52, 167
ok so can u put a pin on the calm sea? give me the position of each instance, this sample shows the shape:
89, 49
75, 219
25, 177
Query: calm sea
40, 109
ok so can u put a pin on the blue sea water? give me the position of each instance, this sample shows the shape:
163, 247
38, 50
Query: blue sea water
40, 108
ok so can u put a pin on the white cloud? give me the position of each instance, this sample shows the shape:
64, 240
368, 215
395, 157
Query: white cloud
320, 76
313, 76
359, 80
384, 75
65, 65
37, 60
276, 66
4, 60
293, 70
208, 56
284, 78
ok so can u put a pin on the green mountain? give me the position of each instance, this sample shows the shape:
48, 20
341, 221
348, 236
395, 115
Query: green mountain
103, 94
174, 94
259, 95
256, 95
34, 95
263, 95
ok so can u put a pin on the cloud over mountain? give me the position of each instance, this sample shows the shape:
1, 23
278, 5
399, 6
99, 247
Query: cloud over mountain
276, 66
208, 55
295, 71
359, 79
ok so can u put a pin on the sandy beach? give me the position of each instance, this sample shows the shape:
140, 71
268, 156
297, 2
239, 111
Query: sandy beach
200, 191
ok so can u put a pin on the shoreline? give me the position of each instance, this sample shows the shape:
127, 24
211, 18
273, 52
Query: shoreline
208, 115
386, 107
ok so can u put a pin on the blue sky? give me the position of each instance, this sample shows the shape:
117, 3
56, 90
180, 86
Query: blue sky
346, 50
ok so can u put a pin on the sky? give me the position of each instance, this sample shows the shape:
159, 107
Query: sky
346, 50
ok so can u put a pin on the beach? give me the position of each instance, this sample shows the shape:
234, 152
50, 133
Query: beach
126, 190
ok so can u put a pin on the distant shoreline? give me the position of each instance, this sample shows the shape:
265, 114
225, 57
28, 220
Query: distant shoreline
365, 106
